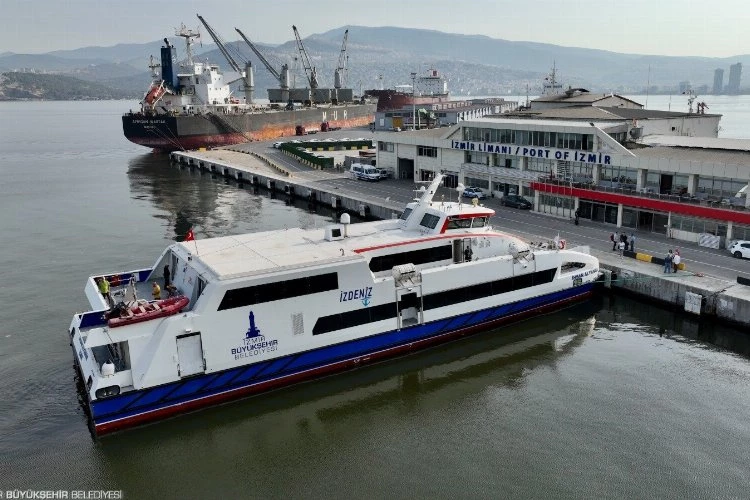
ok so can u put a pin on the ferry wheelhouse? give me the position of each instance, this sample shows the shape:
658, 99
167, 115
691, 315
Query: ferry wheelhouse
263, 310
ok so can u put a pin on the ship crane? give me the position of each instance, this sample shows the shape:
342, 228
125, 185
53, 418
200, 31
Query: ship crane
283, 77
312, 75
339, 77
246, 75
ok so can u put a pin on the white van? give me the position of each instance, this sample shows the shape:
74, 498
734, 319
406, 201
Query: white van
364, 172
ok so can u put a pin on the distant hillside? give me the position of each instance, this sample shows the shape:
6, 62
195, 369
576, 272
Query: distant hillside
22, 86
473, 64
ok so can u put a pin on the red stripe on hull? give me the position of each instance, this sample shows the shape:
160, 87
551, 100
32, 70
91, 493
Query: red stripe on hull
109, 427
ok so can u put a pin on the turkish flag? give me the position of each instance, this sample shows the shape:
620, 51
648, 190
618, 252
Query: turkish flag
190, 236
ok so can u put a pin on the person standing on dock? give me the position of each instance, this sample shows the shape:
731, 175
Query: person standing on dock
668, 262
676, 260
632, 242
615, 237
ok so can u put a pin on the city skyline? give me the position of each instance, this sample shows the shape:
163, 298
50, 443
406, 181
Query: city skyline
669, 27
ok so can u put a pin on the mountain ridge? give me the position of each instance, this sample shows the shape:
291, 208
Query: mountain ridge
473, 64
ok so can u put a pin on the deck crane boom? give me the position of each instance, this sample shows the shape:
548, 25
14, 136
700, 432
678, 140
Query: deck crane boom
339, 76
312, 76
283, 77
246, 76
219, 44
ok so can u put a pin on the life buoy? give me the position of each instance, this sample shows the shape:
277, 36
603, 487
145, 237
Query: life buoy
561, 244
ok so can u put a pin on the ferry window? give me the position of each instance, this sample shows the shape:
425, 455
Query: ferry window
571, 266
406, 213
455, 223
280, 290
480, 290
429, 221
350, 319
416, 257
479, 222
334, 322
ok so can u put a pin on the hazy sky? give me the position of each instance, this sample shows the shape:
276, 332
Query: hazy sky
665, 27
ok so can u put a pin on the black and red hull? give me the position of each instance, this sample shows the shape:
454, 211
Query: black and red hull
182, 132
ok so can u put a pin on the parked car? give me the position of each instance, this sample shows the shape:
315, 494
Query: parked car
515, 201
740, 249
474, 192
384, 173
277, 145
364, 172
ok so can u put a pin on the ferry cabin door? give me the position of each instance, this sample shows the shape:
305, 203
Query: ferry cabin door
409, 304
190, 355
462, 250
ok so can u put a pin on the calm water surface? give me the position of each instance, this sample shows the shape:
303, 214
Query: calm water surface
610, 399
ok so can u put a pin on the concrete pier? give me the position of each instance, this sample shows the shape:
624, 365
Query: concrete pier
720, 298
258, 169
717, 297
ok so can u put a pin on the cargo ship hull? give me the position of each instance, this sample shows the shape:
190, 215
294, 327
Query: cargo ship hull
180, 132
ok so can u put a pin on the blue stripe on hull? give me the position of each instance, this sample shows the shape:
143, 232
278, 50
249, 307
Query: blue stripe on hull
137, 403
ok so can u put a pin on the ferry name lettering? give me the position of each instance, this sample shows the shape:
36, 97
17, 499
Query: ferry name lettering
361, 293
547, 153
83, 348
254, 347
583, 275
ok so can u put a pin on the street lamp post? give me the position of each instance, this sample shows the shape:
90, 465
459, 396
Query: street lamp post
414, 101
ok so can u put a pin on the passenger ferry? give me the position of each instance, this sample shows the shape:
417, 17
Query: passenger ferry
258, 311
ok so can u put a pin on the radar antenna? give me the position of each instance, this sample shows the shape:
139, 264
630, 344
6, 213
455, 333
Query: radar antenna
691, 98
188, 35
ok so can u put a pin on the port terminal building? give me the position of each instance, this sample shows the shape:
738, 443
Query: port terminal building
602, 155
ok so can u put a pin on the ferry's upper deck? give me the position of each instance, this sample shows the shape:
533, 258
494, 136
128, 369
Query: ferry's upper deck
250, 254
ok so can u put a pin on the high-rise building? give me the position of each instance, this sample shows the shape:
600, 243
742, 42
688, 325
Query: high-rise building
718, 81
735, 74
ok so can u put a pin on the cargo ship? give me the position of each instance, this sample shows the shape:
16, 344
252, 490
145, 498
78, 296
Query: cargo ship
193, 106
430, 88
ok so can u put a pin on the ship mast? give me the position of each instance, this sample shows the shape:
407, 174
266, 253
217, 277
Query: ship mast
188, 34
154, 66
